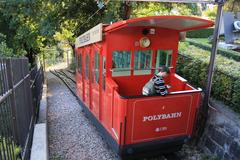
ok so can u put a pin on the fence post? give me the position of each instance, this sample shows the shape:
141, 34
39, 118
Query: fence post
13, 101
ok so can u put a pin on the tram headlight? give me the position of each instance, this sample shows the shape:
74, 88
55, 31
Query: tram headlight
145, 42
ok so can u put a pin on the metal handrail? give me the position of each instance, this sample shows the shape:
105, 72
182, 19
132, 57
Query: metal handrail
137, 69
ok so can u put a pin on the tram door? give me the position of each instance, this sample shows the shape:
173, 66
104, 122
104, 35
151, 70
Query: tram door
87, 78
102, 90
95, 82
79, 75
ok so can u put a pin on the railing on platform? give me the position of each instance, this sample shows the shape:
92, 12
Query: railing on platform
20, 94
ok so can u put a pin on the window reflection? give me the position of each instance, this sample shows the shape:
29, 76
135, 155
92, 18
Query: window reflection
163, 58
142, 62
121, 63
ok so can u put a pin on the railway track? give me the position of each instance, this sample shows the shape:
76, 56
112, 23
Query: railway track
67, 77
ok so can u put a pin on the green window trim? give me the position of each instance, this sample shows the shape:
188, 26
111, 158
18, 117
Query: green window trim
96, 66
79, 60
142, 62
163, 58
87, 66
121, 63
104, 73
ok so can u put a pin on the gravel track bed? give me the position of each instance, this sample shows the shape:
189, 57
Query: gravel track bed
71, 134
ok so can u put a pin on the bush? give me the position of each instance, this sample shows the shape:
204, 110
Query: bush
193, 65
5, 51
9, 144
224, 52
200, 33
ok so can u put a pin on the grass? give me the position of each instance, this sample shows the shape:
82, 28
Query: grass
202, 40
57, 157
4, 143
208, 157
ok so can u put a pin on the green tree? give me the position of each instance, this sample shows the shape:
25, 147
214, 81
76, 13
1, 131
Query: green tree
232, 6
154, 9
4, 50
19, 23
30, 25
210, 13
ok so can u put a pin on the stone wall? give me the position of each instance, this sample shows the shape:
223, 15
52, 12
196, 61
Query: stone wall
222, 135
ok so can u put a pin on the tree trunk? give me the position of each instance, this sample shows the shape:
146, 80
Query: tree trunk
30, 55
233, 5
127, 10
73, 48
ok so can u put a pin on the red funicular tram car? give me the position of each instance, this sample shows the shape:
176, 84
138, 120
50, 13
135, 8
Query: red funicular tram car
114, 63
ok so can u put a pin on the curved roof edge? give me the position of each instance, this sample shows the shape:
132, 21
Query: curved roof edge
179, 23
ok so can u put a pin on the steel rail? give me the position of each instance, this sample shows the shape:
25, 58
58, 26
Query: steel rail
65, 82
64, 74
70, 71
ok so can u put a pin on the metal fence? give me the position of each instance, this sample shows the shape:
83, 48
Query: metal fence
20, 94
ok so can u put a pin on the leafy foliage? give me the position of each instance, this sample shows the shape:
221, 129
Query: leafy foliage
232, 5
113, 12
19, 22
200, 33
151, 9
210, 13
30, 25
224, 52
193, 65
7, 143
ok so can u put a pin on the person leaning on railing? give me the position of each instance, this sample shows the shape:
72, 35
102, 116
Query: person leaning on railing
156, 85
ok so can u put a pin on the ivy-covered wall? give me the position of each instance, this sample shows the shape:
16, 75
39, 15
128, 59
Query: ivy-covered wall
193, 65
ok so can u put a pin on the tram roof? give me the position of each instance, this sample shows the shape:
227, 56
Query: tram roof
179, 23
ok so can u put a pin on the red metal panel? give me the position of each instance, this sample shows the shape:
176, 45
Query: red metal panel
79, 85
79, 77
147, 118
128, 40
155, 118
116, 116
86, 80
100, 89
94, 85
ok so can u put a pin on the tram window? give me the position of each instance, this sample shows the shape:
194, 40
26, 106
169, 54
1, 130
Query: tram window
87, 67
121, 63
79, 63
96, 67
142, 62
104, 73
163, 58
